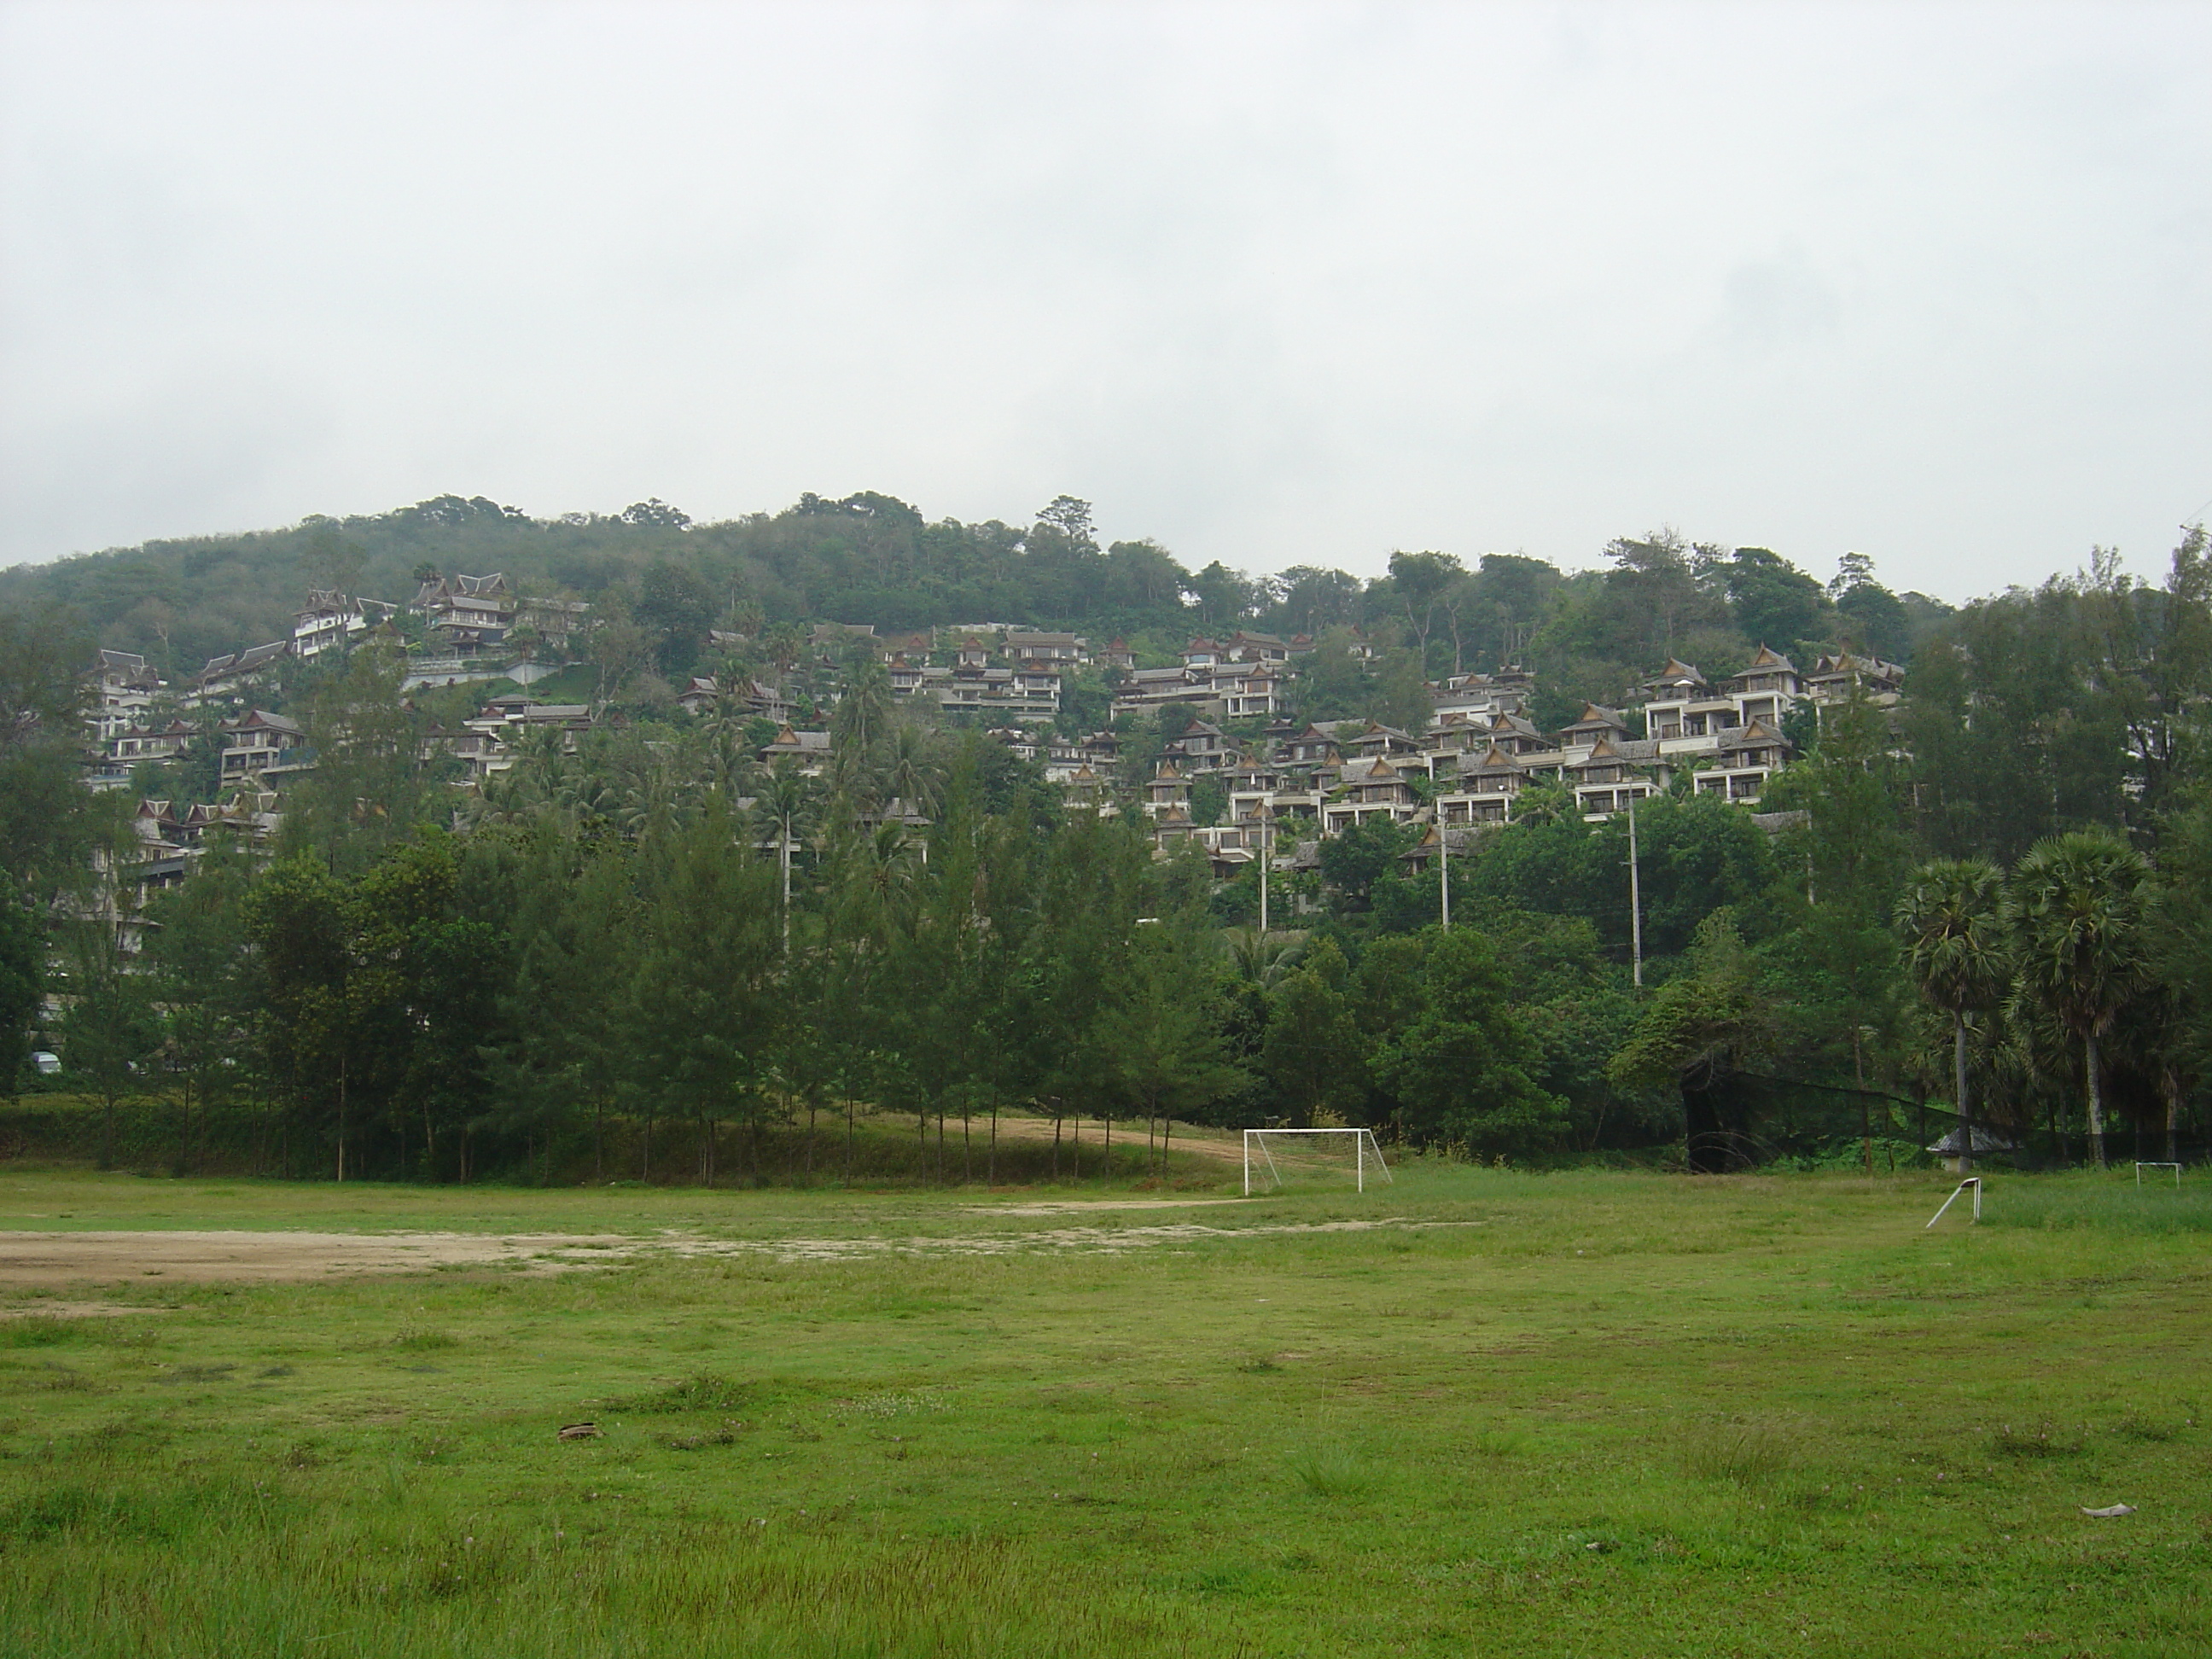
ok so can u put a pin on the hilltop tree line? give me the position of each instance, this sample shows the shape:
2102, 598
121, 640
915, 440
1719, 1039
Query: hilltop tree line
870, 559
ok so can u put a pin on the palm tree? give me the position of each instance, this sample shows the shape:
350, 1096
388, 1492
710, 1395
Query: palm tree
890, 876
2078, 907
1255, 958
865, 710
1953, 917
911, 773
785, 794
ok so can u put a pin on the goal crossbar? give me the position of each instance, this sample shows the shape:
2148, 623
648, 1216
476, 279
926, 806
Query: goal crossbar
1366, 1151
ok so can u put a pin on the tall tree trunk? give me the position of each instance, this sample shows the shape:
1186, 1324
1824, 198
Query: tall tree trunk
991, 1167
600, 1139
107, 1132
2096, 1097
1107, 1174
851, 1107
2172, 1092
1958, 1081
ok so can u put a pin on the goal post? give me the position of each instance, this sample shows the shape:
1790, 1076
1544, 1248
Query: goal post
1306, 1149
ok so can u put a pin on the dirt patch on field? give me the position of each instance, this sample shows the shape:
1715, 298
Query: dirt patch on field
43, 1260
1091, 1206
1053, 1240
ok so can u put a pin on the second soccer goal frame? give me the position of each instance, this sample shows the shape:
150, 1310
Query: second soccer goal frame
1260, 1158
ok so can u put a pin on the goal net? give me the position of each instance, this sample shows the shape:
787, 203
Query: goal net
1275, 1158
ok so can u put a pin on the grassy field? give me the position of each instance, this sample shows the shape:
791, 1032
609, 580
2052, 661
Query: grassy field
1473, 1412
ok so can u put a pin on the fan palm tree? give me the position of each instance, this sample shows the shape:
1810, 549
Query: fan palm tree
1953, 917
2078, 907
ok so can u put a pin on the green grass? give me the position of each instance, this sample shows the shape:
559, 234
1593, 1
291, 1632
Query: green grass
1588, 1415
2111, 1204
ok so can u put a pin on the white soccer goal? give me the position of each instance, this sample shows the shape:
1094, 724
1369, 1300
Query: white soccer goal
1276, 1155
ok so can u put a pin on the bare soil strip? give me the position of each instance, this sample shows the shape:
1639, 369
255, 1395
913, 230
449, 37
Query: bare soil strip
52, 1261
1051, 1240
40, 1260
1089, 1206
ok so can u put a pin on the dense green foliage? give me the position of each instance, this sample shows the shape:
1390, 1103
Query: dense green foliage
654, 936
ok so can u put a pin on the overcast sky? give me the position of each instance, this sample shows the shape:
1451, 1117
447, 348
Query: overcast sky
1271, 283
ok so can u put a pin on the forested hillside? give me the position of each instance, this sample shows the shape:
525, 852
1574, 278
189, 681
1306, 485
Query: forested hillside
1991, 898
870, 559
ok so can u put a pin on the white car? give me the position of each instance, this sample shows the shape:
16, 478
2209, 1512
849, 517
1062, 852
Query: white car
44, 1064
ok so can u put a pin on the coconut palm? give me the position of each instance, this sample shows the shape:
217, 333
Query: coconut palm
1261, 959
889, 872
2077, 907
864, 712
784, 797
911, 772
1953, 918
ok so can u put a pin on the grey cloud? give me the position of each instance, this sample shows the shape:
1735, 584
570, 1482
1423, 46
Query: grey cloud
1273, 283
